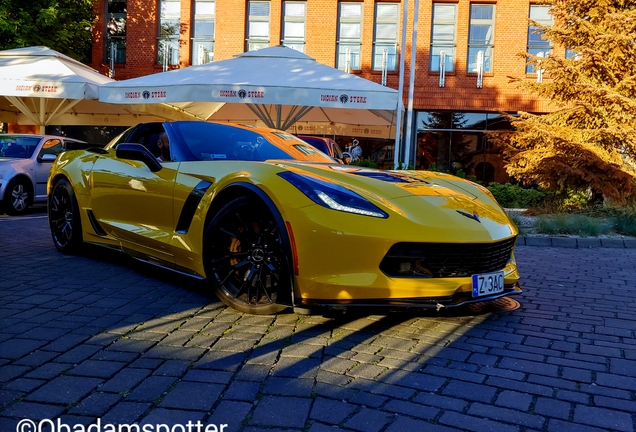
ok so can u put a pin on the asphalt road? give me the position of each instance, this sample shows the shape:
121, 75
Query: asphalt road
101, 337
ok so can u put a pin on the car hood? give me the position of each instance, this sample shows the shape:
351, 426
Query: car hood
421, 197
10, 165
390, 184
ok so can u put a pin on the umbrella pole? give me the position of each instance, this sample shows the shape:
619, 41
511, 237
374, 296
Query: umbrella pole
262, 114
293, 117
24, 109
54, 115
42, 115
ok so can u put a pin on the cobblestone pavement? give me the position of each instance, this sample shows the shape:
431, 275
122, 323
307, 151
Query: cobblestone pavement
102, 336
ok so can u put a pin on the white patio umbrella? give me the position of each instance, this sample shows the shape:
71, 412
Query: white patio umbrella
40, 86
275, 86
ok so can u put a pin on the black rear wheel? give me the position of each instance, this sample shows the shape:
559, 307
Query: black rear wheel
244, 257
64, 218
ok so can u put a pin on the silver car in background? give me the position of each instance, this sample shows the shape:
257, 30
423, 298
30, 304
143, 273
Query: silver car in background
25, 162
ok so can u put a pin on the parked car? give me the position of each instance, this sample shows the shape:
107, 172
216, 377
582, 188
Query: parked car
272, 222
325, 145
25, 162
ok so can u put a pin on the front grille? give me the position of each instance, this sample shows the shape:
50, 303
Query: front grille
446, 259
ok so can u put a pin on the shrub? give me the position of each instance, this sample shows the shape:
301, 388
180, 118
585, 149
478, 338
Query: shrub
514, 196
401, 166
625, 223
584, 226
368, 163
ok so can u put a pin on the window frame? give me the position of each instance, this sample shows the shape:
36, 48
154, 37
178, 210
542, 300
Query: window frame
488, 48
545, 46
384, 42
294, 42
349, 42
434, 58
172, 40
114, 21
252, 42
205, 40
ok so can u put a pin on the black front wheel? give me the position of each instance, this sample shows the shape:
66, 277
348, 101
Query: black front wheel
64, 218
245, 259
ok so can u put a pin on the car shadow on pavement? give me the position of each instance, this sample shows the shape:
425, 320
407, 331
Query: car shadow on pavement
359, 356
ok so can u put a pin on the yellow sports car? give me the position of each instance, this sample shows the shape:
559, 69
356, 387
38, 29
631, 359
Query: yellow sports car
272, 222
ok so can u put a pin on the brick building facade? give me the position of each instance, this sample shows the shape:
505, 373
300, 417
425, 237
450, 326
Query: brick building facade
449, 121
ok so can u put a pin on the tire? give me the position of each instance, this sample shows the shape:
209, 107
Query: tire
64, 218
17, 197
244, 257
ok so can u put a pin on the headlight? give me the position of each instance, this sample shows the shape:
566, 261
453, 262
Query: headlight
333, 196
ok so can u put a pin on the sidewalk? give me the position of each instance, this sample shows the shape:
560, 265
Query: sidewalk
577, 242
103, 338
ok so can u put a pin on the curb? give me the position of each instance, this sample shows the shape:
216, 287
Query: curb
577, 242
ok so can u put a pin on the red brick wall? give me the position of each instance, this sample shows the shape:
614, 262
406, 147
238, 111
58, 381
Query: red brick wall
321, 29
229, 28
459, 93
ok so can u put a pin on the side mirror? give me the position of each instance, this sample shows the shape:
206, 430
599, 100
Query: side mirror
134, 151
47, 158
346, 157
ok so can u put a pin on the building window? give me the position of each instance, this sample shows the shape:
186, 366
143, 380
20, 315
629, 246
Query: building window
536, 44
349, 36
386, 36
203, 34
257, 25
458, 142
294, 25
169, 27
443, 36
481, 36
116, 31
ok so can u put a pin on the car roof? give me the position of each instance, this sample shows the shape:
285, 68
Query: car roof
22, 135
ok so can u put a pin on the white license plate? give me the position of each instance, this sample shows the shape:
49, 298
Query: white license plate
488, 283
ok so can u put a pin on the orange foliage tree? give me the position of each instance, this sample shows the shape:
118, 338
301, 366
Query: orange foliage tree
589, 142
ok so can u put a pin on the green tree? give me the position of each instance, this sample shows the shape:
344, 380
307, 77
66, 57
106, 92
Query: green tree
589, 142
62, 25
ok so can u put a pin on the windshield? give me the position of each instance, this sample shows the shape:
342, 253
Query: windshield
213, 141
18, 147
316, 142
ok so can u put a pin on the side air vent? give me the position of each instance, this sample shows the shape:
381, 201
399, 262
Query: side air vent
96, 226
190, 206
